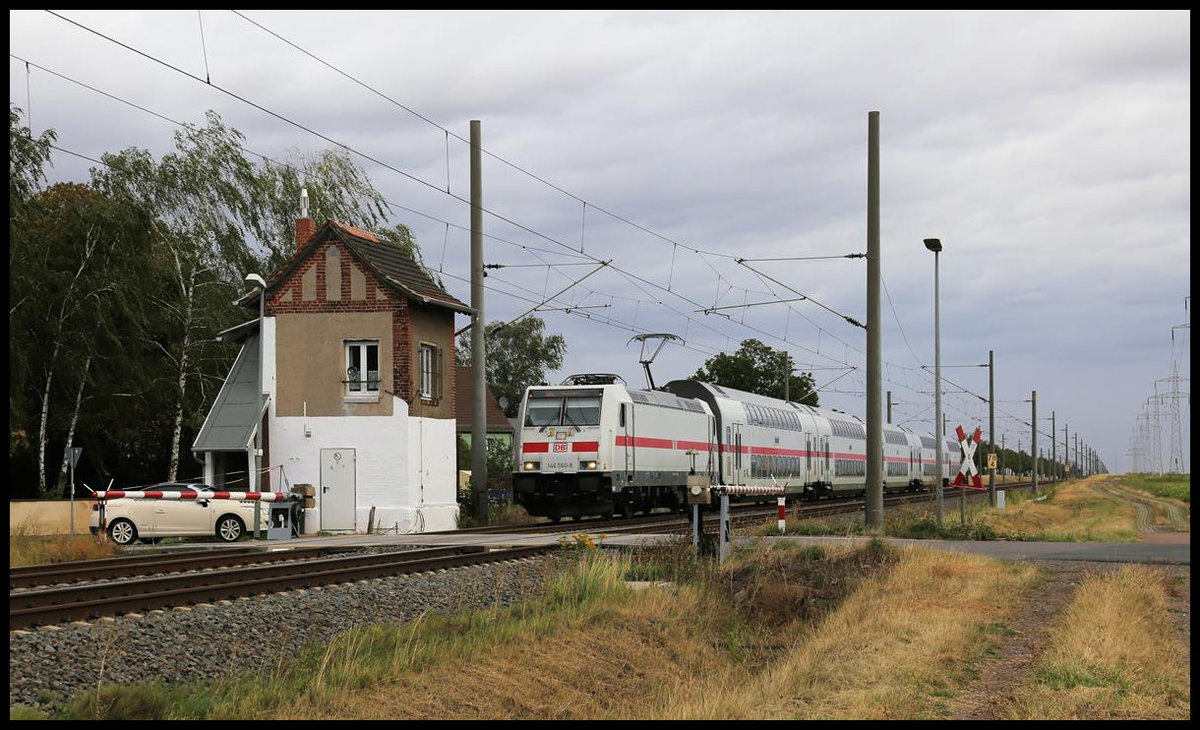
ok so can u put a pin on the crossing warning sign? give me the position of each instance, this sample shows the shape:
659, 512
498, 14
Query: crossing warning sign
968, 475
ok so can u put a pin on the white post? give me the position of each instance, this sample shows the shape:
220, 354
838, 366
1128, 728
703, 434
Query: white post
782, 514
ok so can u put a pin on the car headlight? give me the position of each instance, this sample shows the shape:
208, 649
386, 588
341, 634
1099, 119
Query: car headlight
531, 465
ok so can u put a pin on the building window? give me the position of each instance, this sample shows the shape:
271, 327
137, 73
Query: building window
429, 362
362, 370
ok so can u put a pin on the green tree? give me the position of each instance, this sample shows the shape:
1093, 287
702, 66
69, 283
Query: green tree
757, 368
117, 290
218, 217
81, 257
518, 356
27, 159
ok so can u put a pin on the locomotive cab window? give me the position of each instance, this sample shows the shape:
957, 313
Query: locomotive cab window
582, 411
543, 412
572, 410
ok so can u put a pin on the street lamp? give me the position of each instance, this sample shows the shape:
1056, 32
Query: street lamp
256, 462
935, 245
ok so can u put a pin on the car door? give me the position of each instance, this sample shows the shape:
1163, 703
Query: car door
143, 513
181, 517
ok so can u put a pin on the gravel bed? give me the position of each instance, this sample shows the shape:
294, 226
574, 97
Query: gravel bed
251, 634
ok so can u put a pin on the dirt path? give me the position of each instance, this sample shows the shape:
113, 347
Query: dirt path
1003, 678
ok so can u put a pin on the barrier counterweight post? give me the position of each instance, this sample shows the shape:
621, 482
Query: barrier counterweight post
696, 526
726, 531
782, 514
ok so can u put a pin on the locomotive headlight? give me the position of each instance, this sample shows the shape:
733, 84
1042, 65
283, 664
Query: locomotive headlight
531, 465
589, 465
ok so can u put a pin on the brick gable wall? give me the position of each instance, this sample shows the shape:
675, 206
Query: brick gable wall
288, 298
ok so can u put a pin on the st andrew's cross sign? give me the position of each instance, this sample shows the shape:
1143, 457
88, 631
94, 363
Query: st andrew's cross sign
968, 475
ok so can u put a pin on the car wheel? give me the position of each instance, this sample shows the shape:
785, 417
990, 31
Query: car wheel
230, 528
122, 531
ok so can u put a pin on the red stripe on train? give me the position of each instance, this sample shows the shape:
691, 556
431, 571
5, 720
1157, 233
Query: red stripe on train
645, 442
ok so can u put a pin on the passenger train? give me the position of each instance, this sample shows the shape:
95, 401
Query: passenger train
594, 446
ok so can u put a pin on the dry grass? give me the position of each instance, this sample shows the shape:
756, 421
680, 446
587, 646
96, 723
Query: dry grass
1074, 511
26, 547
763, 637
1112, 655
897, 649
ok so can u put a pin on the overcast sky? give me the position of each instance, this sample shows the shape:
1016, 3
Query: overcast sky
1049, 151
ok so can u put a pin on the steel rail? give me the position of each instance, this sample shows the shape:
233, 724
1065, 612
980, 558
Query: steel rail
124, 567
36, 608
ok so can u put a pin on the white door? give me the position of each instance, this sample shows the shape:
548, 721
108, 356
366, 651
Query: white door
337, 489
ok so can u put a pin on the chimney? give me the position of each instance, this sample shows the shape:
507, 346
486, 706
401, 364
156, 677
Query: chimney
305, 226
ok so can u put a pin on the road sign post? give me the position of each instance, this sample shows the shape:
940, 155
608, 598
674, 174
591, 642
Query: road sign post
968, 475
72, 454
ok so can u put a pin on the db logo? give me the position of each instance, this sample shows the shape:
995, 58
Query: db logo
560, 448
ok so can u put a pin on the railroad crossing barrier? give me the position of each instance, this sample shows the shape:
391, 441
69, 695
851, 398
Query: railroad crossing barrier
725, 529
279, 523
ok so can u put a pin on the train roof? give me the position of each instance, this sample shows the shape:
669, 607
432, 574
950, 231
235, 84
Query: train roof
688, 388
695, 389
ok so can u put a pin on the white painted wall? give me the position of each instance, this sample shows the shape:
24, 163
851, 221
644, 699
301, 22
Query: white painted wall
432, 473
405, 467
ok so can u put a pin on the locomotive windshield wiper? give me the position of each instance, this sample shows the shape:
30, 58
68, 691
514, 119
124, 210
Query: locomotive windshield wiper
553, 421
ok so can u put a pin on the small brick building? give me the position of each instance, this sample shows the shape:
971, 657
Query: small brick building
358, 395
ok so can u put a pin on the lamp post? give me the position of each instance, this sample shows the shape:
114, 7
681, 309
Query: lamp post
935, 245
256, 461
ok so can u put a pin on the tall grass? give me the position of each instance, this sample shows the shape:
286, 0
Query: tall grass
1074, 511
907, 521
26, 547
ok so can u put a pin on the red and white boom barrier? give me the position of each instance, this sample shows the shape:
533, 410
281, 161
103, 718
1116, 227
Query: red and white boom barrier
157, 494
747, 490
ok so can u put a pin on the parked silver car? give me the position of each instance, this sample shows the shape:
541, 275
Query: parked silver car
137, 518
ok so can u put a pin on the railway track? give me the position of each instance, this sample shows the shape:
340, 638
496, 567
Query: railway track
55, 605
50, 594
141, 565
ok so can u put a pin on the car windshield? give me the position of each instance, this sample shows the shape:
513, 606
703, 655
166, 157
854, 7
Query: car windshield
176, 487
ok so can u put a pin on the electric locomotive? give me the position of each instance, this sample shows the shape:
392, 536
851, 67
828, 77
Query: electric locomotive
593, 446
